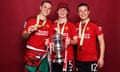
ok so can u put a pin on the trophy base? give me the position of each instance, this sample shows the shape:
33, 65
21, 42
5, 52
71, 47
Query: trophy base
58, 60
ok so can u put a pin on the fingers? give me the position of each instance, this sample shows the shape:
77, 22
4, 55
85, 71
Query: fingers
32, 28
100, 63
67, 41
46, 42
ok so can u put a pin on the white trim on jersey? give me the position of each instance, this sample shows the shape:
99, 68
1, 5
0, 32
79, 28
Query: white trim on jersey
35, 49
25, 24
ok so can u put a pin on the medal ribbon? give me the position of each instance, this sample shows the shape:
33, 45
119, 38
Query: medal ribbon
82, 33
62, 30
37, 21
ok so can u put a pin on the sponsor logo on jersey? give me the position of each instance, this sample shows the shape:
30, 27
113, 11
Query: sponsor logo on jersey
87, 36
41, 33
65, 34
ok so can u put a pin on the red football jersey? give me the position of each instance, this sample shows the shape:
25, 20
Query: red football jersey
69, 31
89, 48
37, 38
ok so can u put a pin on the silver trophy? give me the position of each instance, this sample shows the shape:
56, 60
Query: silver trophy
58, 48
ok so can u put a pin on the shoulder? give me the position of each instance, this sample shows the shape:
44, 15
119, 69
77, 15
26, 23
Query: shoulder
93, 24
31, 19
70, 24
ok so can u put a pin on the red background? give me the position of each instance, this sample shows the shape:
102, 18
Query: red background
13, 13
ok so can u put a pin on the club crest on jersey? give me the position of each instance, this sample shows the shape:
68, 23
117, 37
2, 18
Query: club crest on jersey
88, 28
66, 28
47, 26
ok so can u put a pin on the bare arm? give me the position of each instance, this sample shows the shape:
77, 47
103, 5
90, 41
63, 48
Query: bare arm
102, 50
102, 45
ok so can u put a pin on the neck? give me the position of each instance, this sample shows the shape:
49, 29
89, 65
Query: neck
42, 17
84, 21
62, 20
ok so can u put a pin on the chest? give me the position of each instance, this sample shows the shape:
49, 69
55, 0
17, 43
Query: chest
89, 32
66, 30
43, 31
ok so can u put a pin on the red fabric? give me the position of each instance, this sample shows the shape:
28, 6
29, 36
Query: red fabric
25, 70
68, 31
13, 13
89, 50
30, 59
38, 37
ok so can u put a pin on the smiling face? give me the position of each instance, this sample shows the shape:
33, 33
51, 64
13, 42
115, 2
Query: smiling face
45, 8
83, 12
62, 12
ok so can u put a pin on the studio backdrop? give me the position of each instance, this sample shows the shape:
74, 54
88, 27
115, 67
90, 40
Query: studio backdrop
13, 13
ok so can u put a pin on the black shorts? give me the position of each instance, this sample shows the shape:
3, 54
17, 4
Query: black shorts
56, 67
86, 66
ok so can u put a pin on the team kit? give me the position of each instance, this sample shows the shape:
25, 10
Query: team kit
60, 45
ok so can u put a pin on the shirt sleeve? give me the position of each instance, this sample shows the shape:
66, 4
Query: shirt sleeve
26, 25
98, 30
73, 30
